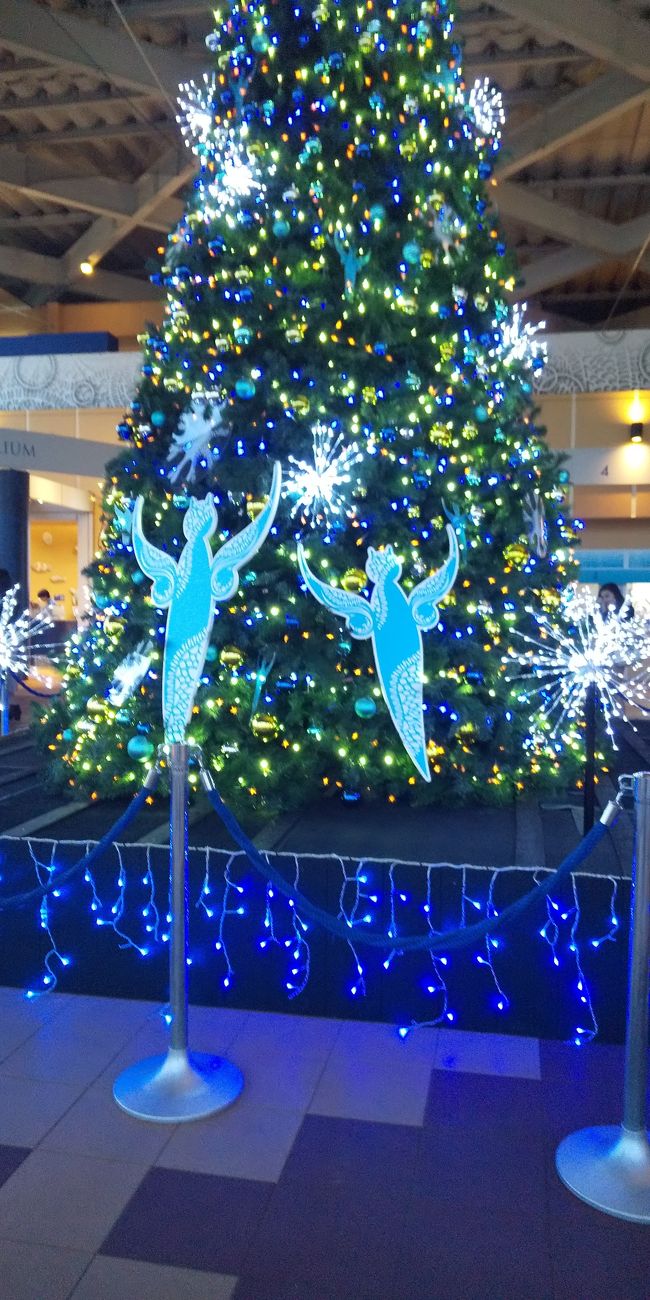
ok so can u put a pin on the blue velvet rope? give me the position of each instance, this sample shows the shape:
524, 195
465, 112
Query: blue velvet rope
40, 695
445, 942
55, 881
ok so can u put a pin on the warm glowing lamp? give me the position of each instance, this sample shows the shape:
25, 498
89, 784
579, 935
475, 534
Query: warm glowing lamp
636, 419
86, 268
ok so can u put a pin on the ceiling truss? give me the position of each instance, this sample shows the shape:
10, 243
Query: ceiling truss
93, 108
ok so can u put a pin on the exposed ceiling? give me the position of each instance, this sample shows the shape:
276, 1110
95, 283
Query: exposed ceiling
91, 164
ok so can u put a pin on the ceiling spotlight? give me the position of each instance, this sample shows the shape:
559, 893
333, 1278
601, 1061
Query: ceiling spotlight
86, 268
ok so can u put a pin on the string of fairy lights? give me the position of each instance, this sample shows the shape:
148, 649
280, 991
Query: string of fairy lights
129, 899
337, 298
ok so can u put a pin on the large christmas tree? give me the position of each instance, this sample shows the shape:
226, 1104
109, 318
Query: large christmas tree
338, 300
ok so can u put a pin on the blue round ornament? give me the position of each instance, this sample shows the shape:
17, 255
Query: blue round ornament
138, 577
260, 43
157, 419
378, 212
211, 654
281, 228
365, 707
481, 414
68, 734
139, 748
245, 388
412, 253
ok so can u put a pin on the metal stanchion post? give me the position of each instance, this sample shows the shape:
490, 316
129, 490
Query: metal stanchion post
179, 1085
589, 794
609, 1167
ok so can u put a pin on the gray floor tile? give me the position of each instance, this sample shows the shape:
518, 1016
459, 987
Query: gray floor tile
129, 1279
283, 1075
32, 1271
29, 1107
96, 1126
372, 1074
473, 1053
63, 1052
66, 1200
274, 1029
245, 1141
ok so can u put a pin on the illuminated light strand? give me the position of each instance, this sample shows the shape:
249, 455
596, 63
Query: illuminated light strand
355, 892
225, 911
43, 875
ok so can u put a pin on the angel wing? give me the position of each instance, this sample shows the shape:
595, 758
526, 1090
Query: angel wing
354, 609
240, 548
425, 598
159, 566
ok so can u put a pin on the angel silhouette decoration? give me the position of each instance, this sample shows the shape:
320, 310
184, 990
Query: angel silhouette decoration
395, 622
189, 588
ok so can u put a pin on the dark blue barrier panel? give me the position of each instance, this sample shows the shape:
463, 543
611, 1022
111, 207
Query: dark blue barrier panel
45, 345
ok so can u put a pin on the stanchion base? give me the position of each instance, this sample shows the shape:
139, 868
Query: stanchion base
608, 1168
177, 1087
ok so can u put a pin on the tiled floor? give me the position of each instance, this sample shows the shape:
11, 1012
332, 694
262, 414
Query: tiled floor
355, 1165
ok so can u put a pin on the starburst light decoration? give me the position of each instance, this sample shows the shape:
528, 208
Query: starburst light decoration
519, 341
17, 636
319, 485
198, 109
485, 103
610, 652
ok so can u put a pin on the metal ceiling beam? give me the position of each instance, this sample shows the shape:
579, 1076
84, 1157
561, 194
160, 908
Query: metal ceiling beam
43, 220
98, 195
156, 185
558, 267
152, 10
35, 268
85, 134
569, 117
496, 59
574, 226
66, 41
597, 26
91, 99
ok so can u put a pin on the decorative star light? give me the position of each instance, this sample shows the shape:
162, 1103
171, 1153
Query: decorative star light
17, 634
519, 340
190, 444
130, 674
236, 173
199, 105
485, 103
317, 485
611, 653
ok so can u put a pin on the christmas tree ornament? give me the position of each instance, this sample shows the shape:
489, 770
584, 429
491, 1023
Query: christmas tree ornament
353, 580
264, 724
535, 523
188, 588
140, 748
365, 707
394, 622
230, 655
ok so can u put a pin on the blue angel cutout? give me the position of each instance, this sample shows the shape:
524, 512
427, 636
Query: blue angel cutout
189, 587
395, 621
